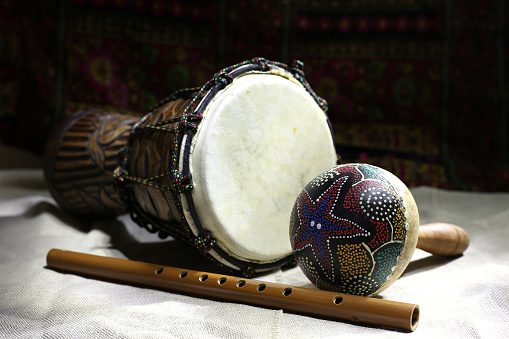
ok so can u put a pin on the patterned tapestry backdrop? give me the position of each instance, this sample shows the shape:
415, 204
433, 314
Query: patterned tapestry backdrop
418, 87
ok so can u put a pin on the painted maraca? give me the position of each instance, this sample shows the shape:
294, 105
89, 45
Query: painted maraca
354, 228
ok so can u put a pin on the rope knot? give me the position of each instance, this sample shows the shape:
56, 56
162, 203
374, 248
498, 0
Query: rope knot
180, 182
222, 78
249, 271
323, 104
263, 63
204, 244
119, 174
297, 68
188, 122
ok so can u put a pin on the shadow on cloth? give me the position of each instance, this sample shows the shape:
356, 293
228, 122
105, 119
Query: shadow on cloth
170, 252
64, 217
176, 253
427, 263
28, 182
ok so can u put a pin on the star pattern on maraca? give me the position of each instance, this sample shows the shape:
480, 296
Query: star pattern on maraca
319, 225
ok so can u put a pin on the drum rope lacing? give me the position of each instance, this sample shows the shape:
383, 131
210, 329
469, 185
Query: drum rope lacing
180, 181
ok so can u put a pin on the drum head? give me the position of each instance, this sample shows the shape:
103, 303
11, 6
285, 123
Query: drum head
261, 140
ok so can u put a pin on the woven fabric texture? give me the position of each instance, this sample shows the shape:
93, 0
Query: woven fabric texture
460, 297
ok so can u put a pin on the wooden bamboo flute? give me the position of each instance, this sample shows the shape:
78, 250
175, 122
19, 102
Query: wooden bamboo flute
331, 305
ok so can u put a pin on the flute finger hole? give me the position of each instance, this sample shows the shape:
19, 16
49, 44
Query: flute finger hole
337, 299
287, 291
221, 280
204, 277
159, 270
182, 274
261, 287
241, 283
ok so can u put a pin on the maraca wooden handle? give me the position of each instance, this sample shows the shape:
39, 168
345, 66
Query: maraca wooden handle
443, 239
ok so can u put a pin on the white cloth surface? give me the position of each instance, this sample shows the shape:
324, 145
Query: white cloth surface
461, 297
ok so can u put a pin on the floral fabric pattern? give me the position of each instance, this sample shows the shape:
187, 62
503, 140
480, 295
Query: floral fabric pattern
418, 87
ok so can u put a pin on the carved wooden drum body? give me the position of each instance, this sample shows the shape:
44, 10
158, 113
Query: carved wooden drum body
220, 166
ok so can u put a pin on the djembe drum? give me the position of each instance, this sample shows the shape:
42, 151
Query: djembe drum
218, 167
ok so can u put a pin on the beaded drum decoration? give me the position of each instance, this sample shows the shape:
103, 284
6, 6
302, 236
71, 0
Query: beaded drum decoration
169, 184
354, 228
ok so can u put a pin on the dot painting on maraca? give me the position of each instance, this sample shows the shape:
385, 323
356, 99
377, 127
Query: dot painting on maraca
349, 228
355, 227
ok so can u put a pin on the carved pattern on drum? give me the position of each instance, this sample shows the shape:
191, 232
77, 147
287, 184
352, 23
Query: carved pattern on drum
107, 130
150, 180
362, 231
80, 160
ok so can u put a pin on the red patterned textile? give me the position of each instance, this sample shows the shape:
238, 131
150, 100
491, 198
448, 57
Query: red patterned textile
418, 87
